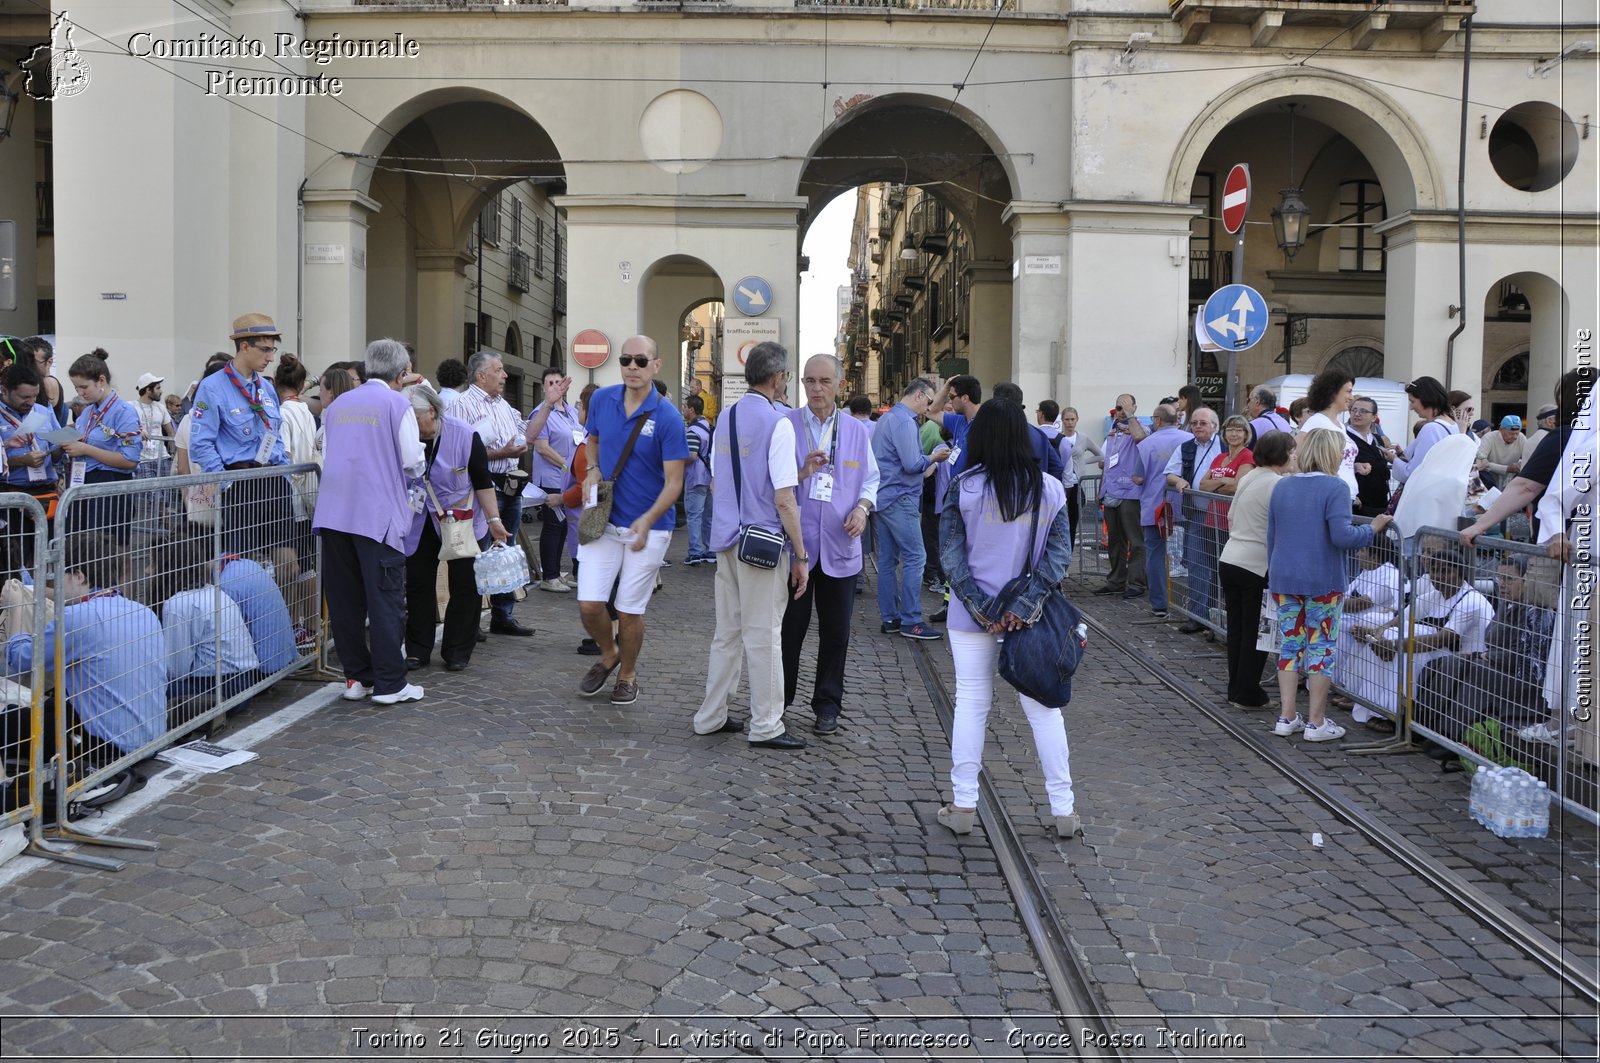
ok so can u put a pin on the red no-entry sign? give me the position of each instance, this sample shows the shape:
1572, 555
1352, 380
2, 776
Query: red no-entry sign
1236, 198
591, 348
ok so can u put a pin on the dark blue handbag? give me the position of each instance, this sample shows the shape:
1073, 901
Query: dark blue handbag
1039, 660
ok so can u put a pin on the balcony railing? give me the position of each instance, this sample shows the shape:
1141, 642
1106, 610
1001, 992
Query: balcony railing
45, 207
559, 304
912, 5
1208, 272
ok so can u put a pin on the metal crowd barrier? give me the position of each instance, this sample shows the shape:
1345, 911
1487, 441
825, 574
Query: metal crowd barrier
1511, 683
229, 561
1514, 681
1193, 587
23, 540
1089, 541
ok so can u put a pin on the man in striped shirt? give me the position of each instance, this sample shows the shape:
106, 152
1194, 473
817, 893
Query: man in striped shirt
484, 407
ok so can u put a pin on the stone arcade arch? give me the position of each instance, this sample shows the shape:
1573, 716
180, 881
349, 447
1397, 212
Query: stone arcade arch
1346, 136
1525, 314
452, 152
951, 154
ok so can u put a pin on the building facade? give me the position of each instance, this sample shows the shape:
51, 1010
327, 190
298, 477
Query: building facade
1071, 149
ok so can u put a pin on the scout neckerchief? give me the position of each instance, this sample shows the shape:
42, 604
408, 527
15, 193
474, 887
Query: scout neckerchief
252, 401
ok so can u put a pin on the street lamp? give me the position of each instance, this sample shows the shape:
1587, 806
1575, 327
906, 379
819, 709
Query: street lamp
909, 252
1291, 216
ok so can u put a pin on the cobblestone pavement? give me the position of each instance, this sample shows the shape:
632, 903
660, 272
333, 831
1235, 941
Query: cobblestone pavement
454, 869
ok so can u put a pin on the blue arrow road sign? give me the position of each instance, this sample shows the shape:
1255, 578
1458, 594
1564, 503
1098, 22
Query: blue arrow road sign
752, 296
1235, 317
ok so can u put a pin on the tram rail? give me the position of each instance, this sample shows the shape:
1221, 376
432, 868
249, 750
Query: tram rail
1577, 973
1072, 985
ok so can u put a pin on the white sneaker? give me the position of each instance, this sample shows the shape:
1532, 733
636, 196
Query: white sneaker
554, 585
409, 692
570, 580
1539, 732
1326, 733
354, 691
1284, 728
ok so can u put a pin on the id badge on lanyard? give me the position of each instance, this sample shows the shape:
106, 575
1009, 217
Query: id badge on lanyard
36, 473
269, 439
822, 486
80, 469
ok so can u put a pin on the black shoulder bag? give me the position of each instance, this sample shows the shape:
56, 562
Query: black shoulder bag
757, 546
1039, 660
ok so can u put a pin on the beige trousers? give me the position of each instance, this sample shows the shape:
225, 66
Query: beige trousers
750, 604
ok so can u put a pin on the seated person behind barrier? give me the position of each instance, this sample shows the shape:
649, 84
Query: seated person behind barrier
256, 593
1452, 616
1374, 599
113, 673
1454, 692
198, 622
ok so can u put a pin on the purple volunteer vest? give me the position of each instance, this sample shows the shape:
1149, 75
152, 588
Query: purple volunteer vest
996, 548
364, 489
822, 523
753, 504
448, 474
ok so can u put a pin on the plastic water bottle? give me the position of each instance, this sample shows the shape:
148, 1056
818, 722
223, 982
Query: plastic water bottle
1499, 802
1521, 809
1541, 810
1475, 801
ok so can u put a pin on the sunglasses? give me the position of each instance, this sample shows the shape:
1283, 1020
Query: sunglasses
639, 360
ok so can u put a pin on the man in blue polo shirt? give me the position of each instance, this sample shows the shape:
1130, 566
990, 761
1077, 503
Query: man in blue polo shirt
643, 494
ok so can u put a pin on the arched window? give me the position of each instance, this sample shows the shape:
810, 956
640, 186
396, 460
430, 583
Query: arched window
1358, 361
513, 342
1360, 208
1512, 376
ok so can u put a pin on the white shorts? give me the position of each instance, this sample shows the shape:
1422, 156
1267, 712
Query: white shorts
600, 563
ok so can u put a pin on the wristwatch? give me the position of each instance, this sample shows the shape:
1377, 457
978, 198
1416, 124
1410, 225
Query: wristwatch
804, 561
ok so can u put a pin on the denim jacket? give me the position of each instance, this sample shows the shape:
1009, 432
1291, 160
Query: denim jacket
1048, 570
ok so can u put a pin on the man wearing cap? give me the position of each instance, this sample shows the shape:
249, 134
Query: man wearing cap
237, 425
156, 424
1545, 423
1502, 454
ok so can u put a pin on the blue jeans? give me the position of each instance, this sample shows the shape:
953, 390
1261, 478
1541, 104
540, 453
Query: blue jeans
1155, 567
699, 514
900, 543
500, 605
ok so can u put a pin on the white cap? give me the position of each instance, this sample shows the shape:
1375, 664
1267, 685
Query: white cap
146, 380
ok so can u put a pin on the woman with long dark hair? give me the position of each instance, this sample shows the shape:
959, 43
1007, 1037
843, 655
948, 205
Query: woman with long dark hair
1431, 402
985, 543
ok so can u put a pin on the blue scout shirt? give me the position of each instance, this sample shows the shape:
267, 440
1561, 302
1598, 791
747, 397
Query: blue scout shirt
112, 424
12, 425
254, 591
643, 479
115, 667
226, 429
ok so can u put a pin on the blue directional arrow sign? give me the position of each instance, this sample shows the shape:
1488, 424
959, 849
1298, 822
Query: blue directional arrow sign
752, 296
1235, 317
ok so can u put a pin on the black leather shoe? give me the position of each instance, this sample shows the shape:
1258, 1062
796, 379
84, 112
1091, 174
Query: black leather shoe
415, 663
1192, 627
482, 637
940, 617
826, 724
1108, 589
588, 648
780, 741
729, 726
509, 627
455, 666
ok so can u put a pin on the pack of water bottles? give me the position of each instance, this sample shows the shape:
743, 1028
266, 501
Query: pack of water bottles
500, 570
1510, 802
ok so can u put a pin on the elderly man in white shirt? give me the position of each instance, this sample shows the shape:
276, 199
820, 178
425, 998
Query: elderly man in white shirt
504, 436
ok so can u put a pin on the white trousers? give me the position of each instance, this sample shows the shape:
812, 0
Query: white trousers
977, 657
750, 605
